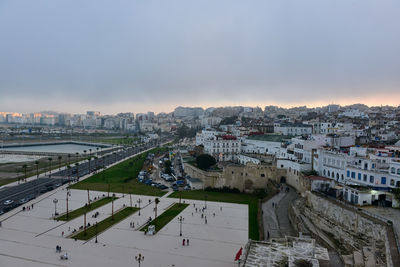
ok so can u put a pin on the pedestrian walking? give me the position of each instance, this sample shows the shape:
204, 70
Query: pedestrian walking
202, 216
206, 221
183, 242
62, 234
220, 208
267, 234
187, 242
214, 214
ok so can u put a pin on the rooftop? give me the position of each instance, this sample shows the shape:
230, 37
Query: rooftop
269, 137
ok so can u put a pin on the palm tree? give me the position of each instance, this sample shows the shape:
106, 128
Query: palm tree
59, 162
90, 152
84, 151
89, 158
37, 168
77, 170
69, 173
76, 156
24, 168
49, 159
69, 158
95, 162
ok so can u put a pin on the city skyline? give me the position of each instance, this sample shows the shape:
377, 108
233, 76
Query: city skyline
139, 56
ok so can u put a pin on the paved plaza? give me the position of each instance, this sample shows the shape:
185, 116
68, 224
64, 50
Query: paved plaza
29, 238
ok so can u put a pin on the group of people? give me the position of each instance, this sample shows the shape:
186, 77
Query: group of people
185, 241
96, 214
58, 249
29, 207
132, 224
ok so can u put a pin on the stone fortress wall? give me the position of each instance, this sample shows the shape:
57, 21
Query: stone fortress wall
243, 177
360, 240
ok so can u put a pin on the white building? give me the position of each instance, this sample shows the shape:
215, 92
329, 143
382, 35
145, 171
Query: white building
292, 129
243, 159
223, 148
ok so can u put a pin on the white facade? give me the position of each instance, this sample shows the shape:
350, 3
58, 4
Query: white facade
246, 159
293, 129
222, 149
261, 147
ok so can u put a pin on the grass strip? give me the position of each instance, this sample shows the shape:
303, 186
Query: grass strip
105, 224
238, 198
166, 216
121, 178
78, 212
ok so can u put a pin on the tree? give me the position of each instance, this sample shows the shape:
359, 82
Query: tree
205, 161
59, 162
24, 167
396, 193
49, 159
37, 168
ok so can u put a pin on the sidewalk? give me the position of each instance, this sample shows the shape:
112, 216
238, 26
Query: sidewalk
276, 220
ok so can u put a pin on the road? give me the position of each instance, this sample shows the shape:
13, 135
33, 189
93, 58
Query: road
36, 187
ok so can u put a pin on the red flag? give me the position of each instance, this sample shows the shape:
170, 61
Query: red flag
238, 254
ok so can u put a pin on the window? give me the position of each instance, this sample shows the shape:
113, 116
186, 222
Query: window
373, 165
371, 179
324, 172
391, 182
359, 176
348, 173
365, 177
398, 171
262, 175
393, 170
329, 173
383, 180
353, 175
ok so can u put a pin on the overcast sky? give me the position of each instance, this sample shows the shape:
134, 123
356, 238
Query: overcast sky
140, 55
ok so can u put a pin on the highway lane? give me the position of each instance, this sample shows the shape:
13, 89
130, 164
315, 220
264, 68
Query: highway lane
34, 188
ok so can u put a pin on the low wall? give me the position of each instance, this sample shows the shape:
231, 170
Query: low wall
243, 177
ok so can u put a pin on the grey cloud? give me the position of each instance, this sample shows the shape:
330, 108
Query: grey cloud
188, 52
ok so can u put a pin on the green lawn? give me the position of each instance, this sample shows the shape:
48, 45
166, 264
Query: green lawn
78, 212
239, 198
167, 216
122, 178
105, 224
7, 181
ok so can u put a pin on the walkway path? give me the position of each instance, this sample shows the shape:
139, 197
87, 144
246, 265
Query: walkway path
275, 217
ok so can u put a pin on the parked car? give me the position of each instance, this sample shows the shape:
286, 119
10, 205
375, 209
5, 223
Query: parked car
8, 202
163, 187
23, 200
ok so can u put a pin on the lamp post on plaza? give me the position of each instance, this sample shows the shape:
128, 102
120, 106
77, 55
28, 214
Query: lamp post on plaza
55, 201
180, 219
68, 195
96, 233
139, 258
139, 201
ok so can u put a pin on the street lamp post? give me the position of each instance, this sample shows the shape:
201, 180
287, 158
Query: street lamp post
96, 233
55, 206
139, 201
180, 219
68, 194
139, 258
